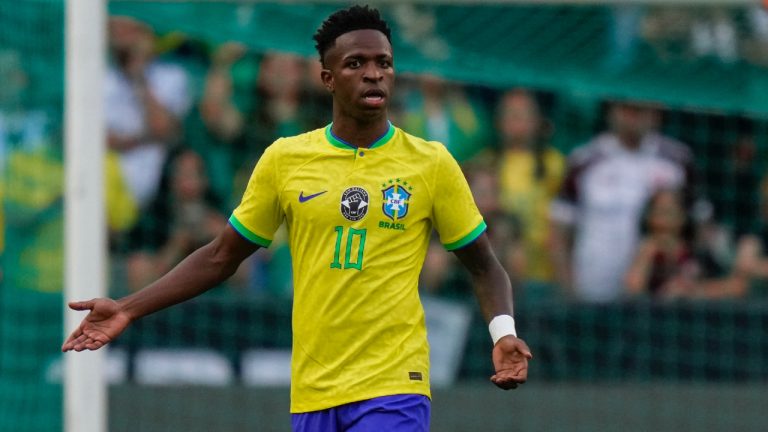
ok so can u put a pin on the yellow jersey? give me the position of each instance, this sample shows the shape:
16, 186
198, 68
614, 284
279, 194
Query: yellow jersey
359, 222
529, 199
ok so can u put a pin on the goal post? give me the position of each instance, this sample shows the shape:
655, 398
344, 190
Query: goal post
84, 232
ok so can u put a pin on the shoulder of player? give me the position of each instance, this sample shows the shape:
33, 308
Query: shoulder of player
296, 144
426, 155
422, 147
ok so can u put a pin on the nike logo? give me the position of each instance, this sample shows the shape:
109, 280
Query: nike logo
303, 198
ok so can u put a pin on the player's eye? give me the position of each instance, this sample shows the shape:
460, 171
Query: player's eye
385, 64
353, 63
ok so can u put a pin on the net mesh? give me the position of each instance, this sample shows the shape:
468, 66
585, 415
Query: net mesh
220, 362
31, 176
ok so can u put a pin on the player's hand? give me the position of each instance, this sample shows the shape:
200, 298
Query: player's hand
102, 325
510, 360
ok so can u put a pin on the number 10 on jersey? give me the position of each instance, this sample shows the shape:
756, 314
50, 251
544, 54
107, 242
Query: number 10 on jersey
354, 248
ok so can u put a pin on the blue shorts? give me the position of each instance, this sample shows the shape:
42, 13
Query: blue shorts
396, 413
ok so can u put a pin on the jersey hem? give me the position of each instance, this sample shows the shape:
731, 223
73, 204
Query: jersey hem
299, 409
467, 239
248, 234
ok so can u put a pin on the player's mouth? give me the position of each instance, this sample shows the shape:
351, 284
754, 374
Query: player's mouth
374, 97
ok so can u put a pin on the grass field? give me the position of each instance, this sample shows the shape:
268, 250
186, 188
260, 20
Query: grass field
639, 407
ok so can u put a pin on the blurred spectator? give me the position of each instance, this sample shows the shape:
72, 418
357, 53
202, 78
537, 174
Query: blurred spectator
180, 220
245, 108
608, 183
667, 29
505, 230
218, 109
681, 33
145, 102
216, 129
530, 174
20, 124
664, 263
31, 186
732, 179
21, 127
744, 184
443, 111
756, 41
713, 34
279, 95
752, 253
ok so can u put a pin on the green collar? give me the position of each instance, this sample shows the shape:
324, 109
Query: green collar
340, 143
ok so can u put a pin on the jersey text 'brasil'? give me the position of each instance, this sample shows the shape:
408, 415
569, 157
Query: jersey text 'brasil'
359, 223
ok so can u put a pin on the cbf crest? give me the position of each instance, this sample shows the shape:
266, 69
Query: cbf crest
397, 197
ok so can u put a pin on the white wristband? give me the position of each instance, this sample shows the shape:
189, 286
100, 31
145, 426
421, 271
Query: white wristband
500, 326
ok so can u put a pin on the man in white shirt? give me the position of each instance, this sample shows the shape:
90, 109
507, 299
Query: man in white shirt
146, 101
607, 185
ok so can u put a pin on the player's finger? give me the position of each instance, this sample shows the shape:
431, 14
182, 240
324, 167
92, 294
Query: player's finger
514, 369
94, 345
98, 336
523, 349
70, 342
517, 379
519, 376
74, 335
81, 305
80, 341
504, 383
78, 347
68, 345
84, 344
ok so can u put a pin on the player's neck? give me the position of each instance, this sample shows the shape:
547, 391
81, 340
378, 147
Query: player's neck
359, 133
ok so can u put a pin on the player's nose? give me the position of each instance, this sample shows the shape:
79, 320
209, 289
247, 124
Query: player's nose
371, 72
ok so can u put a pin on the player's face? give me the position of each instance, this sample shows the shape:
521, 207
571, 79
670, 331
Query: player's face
359, 73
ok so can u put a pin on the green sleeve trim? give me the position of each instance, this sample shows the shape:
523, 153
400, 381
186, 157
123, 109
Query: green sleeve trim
247, 234
467, 239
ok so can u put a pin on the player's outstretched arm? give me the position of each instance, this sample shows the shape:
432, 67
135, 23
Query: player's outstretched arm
200, 271
494, 294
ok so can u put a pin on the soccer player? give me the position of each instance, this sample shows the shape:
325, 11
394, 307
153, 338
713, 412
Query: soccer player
359, 198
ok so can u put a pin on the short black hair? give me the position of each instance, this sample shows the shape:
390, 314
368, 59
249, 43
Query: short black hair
345, 21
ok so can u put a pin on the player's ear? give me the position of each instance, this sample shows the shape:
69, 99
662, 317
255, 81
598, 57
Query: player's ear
327, 78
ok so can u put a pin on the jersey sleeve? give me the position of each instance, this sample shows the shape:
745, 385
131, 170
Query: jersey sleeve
259, 214
454, 212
